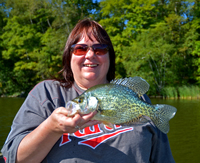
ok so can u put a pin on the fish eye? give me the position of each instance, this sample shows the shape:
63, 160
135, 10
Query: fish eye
79, 100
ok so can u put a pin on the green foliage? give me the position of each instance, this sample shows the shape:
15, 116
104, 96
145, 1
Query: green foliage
170, 92
157, 40
189, 91
154, 39
123, 21
183, 92
196, 51
33, 39
150, 54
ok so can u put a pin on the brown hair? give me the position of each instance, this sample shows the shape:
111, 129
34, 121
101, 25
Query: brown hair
88, 27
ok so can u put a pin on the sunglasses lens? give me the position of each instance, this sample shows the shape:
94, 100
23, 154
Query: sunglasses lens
100, 49
81, 49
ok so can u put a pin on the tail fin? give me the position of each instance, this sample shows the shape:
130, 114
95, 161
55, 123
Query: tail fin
163, 113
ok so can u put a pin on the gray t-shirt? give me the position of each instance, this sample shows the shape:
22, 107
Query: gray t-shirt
142, 143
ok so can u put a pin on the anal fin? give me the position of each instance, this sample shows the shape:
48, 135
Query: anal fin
108, 124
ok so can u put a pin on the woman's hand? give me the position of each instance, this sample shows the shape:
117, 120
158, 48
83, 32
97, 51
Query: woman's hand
37, 144
60, 122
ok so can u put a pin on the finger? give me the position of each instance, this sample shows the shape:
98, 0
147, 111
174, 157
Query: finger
82, 121
62, 110
77, 119
90, 123
89, 116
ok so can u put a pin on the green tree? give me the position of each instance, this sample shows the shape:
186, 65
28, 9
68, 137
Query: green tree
123, 21
19, 41
153, 39
3, 69
34, 38
149, 56
196, 50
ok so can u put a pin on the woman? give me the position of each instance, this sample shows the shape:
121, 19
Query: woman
42, 131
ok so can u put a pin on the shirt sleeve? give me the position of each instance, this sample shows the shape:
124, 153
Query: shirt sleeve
146, 98
161, 151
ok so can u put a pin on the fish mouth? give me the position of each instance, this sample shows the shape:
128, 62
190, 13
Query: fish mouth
72, 108
90, 65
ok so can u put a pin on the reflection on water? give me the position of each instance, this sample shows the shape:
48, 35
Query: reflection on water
184, 134
184, 130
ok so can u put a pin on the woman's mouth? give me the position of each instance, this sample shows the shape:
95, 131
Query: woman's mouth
90, 65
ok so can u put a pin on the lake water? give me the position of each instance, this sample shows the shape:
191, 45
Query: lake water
184, 134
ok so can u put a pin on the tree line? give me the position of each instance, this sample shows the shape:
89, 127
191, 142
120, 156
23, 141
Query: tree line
158, 40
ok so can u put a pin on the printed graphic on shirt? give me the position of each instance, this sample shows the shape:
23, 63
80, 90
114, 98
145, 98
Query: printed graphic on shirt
94, 135
5, 159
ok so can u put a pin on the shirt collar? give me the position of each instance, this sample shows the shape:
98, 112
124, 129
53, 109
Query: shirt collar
77, 88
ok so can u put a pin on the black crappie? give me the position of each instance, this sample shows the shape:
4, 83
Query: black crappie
119, 103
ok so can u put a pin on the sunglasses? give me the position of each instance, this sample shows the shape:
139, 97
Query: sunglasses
82, 49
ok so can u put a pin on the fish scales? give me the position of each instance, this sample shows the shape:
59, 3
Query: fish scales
119, 103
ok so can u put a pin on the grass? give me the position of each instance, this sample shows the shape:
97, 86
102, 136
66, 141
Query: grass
186, 92
183, 92
170, 92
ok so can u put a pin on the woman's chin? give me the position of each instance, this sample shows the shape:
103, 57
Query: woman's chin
91, 77
94, 78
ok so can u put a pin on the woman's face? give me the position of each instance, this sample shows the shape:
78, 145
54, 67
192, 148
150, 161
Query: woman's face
90, 69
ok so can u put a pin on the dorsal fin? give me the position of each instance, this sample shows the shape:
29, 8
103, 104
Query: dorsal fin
137, 84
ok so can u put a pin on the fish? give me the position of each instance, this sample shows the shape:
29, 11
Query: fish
119, 102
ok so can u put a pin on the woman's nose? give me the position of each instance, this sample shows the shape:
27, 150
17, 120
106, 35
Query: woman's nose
90, 53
